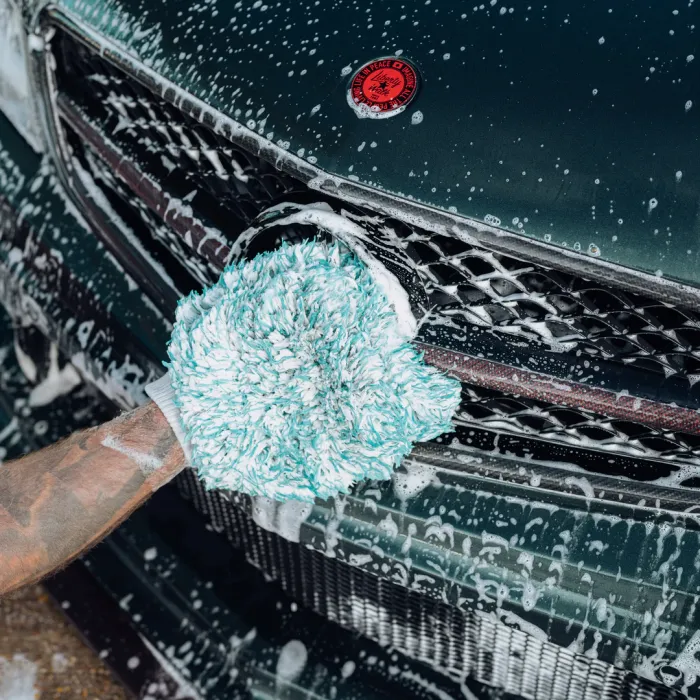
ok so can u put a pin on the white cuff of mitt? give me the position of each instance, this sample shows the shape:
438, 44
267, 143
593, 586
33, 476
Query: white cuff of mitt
162, 394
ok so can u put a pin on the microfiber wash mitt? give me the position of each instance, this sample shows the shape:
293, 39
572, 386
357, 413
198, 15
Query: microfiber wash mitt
293, 377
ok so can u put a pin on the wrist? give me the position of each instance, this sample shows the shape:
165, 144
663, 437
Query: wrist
146, 437
162, 394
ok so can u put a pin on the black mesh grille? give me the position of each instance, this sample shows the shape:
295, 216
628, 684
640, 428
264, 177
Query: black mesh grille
227, 186
626, 448
494, 290
164, 250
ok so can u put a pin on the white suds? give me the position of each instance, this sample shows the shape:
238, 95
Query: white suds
26, 364
285, 518
17, 678
291, 661
59, 662
364, 111
348, 669
412, 479
147, 463
170, 665
58, 382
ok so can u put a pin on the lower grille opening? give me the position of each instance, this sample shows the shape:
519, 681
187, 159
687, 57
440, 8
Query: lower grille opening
457, 642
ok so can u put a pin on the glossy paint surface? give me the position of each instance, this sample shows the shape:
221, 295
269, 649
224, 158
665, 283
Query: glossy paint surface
571, 123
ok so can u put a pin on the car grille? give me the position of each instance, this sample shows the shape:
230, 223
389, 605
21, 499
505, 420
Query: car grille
213, 188
197, 169
170, 196
518, 425
229, 187
457, 642
559, 309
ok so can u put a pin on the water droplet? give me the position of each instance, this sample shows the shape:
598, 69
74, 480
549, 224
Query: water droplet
417, 117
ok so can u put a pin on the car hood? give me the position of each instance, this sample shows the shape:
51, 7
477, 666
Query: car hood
572, 123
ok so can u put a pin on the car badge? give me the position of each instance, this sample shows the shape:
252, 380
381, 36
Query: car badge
383, 88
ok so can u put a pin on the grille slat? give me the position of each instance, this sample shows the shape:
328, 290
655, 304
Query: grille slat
558, 308
576, 427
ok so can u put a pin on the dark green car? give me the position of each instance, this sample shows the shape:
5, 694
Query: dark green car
531, 172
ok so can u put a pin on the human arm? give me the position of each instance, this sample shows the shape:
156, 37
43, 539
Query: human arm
59, 501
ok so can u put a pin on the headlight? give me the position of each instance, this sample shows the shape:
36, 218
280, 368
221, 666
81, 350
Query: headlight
17, 100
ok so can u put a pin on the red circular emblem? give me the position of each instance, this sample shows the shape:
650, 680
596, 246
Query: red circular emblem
384, 85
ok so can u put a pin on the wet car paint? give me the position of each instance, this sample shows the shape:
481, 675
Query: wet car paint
571, 124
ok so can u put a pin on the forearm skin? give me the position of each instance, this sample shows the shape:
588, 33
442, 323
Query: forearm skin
60, 501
